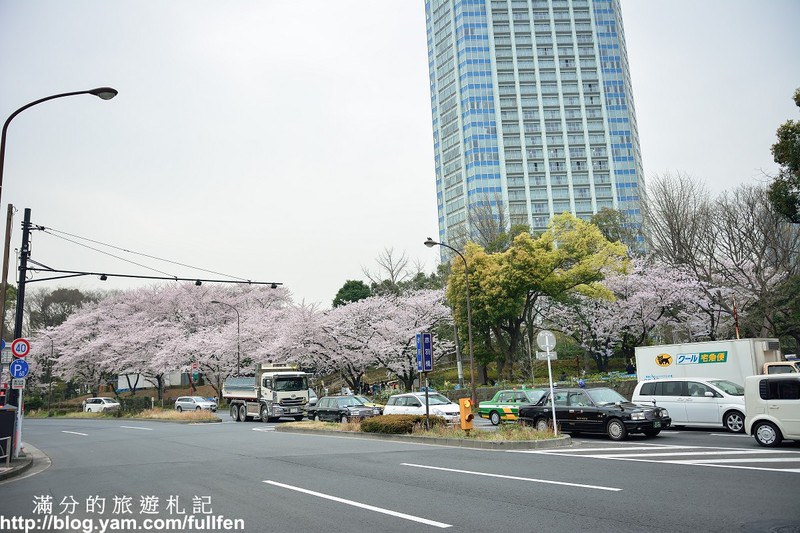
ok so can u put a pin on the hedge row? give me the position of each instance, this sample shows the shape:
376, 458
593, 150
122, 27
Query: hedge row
397, 424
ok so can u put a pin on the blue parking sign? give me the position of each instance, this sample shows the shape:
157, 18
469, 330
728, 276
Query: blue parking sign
18, 368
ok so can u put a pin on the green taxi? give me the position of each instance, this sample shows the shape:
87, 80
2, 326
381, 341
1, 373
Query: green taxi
506, 403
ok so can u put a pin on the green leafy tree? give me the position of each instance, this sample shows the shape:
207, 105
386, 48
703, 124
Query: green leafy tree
617, 227
351, 291
784, 192
505, 287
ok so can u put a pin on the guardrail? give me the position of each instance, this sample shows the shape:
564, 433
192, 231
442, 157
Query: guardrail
6, 450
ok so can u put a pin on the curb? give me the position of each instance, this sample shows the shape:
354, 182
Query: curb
18, 466
557, 442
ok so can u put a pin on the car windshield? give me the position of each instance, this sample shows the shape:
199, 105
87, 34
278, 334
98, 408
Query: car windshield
349, 401
198, 399
291, 383
362, 399
605, 396
435, 399
534, 395
728, 387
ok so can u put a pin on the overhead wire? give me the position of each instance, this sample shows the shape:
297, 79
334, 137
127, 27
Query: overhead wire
61, 235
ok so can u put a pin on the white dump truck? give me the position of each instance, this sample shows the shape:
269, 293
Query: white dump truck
732, 360
274, 391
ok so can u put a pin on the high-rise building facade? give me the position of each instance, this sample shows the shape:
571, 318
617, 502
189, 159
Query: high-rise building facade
532, 111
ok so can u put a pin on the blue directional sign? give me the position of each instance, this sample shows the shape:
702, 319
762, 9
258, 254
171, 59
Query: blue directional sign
419, 352
427, 352
18, 368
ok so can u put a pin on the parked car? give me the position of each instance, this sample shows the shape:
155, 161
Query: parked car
100, 405
413, 403
697, 402
599, 410
340, 409
369, 403
506, 403
195, 403
312, 398
772, 408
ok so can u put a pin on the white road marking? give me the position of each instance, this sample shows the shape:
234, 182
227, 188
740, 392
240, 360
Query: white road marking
75, 433
137, 427
582, 450
264, 429
534, 480
361, 505
730, 435
740, 460
667, 454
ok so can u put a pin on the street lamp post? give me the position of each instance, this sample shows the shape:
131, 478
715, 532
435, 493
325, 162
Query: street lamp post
105, 93
238, 333
430, 243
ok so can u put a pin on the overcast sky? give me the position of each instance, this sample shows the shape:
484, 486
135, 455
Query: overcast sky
291, 141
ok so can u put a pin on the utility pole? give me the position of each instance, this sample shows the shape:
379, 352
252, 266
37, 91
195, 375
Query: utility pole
24, 252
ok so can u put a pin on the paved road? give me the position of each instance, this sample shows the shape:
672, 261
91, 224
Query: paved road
274, 481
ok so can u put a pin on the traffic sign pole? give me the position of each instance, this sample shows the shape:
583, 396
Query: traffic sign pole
547, 341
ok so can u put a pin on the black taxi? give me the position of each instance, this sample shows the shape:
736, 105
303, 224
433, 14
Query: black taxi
595, 410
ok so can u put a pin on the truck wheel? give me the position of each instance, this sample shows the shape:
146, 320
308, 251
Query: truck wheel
243, 413
616, 429
766, 434
733, 421
235, 413
494, 418
264, 413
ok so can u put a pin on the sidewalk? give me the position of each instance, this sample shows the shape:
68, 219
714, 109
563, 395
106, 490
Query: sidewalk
20, 465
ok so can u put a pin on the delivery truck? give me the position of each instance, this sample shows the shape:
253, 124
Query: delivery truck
732, 360
275, 390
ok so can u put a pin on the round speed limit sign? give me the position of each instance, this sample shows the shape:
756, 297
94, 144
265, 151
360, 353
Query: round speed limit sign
20, 347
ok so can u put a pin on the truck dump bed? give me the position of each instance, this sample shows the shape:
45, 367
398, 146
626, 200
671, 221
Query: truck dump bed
241, 387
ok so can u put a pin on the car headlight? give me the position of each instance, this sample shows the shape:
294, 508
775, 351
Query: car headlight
639, 415
437, 412
376, 411
664, 413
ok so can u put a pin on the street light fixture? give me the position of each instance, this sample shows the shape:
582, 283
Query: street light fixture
238, 331
104, 93
430, 243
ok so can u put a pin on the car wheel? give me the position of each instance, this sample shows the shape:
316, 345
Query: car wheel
734, 421
317, 418
494, 418
766, 434
235, 413
197, 408
344, 419
541, 424
616, 429
651, 432
179, 408
243, 413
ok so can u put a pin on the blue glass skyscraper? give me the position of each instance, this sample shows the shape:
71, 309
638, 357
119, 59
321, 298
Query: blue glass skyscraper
532, 112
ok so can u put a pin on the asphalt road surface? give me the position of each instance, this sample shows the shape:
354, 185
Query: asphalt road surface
693, 481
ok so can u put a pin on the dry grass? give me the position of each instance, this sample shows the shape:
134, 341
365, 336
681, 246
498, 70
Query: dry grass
149, 414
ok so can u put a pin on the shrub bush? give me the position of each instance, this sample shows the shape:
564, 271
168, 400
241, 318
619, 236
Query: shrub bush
397, 424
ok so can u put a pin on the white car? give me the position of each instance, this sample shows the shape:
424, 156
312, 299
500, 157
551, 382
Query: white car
696, 402
413, 403
100, 405
195, 403
772, 406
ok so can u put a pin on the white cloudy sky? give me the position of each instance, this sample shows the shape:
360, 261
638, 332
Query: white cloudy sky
291, 141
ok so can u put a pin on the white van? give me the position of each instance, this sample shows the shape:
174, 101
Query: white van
772, 406
697, 402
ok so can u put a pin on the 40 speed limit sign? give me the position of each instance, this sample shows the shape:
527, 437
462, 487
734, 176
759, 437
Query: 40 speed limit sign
20, 347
